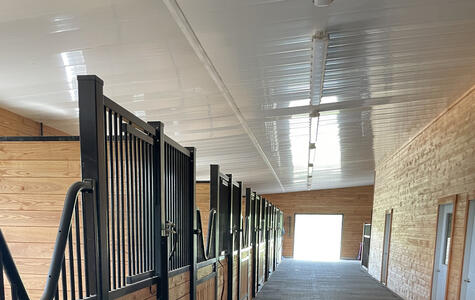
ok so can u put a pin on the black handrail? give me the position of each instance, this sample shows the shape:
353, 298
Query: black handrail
62, 236
6, 259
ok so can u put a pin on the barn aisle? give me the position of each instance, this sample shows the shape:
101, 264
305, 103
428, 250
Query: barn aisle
301, 280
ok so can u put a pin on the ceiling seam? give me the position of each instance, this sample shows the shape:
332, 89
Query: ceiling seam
185, 26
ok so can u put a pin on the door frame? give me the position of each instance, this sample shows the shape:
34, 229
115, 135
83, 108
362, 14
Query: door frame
319, 214
467, 208
387, 212
442, 201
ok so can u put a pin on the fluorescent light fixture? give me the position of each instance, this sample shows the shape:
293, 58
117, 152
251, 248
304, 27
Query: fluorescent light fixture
314, 118
312, 150
318, 61
322, 3
319, 58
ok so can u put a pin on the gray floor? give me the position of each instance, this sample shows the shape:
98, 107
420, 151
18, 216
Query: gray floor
343, 280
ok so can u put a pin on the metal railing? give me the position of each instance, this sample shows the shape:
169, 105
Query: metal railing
69, 235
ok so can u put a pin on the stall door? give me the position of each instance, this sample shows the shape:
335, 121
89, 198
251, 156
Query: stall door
468, 283
442, 252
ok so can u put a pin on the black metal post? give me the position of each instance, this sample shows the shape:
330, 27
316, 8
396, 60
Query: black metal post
239, 232
193, 236
214, 203
92, 137
160, 232
231, 232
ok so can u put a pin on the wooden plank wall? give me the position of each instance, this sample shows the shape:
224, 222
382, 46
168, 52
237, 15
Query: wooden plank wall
438, 162
355, 203
202, 203
179, 286
34, 178
148, 293
12, 124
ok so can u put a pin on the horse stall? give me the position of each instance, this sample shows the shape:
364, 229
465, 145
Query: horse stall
112, 214
222, 197
125, 230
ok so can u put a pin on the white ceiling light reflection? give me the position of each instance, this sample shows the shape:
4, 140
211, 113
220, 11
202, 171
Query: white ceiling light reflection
329, 99
298, 146
297, 103
74, 65
328, 153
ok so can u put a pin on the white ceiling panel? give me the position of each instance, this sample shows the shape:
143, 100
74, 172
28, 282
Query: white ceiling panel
391, 67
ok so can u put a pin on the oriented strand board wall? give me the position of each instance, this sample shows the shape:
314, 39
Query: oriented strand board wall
355, 203
34, 178
12, 124
439, 162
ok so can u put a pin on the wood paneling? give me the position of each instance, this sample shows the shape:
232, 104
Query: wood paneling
438, 162
34, 178
12, 124
355, 203
179, 286
147, 293
206, 290
202, 203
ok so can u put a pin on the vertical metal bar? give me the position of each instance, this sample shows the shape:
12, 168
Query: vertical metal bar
110, 223
122, 190
78, 250
129, 213
230, 233
140, 204
239, 206
135, 204
64, 279
117, 197
92, 137
193, 242
160, 233
71, 265
145, 195
144, 210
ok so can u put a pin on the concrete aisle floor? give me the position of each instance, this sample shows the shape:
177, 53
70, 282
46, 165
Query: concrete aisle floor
299, 280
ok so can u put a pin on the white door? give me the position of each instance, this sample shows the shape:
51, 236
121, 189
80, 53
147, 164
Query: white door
468, 283
387, 234
442, 252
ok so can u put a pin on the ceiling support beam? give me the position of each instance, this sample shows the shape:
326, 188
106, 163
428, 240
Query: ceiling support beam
199, 50
337, 106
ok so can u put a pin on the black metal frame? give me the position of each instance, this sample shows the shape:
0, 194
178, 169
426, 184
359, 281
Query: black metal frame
140, 173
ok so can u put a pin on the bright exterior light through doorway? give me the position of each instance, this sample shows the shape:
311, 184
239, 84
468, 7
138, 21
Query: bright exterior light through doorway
318, 237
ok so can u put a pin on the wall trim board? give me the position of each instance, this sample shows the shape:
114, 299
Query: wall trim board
465, 198
387, 212
442, 201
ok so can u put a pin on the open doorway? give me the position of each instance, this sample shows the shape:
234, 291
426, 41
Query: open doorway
318, 237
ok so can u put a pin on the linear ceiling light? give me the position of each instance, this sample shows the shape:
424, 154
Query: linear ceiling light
319, 57
322, 3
